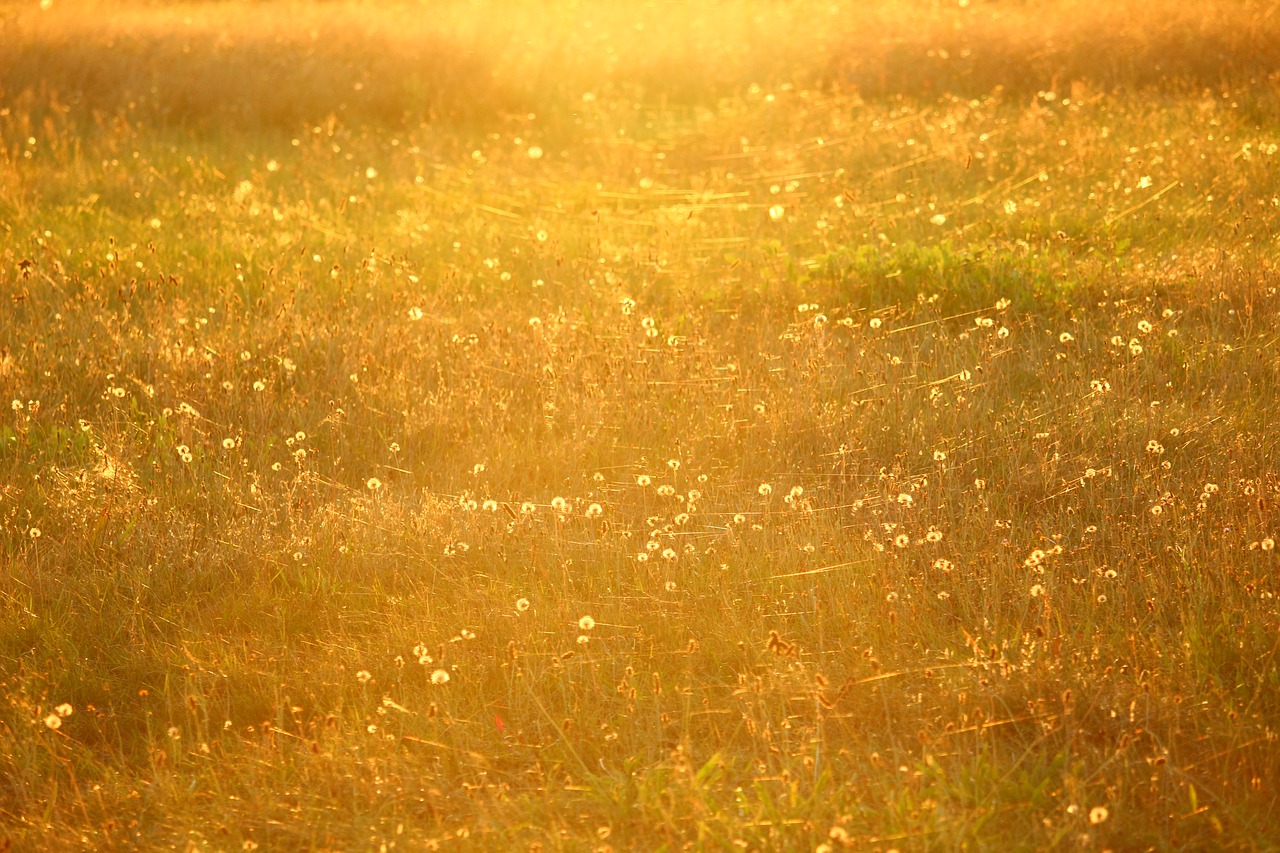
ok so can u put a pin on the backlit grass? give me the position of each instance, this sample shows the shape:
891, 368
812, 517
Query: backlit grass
744, 425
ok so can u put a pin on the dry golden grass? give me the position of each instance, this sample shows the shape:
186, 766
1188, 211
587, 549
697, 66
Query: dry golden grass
732, 426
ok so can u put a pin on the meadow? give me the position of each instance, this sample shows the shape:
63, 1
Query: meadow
740, 425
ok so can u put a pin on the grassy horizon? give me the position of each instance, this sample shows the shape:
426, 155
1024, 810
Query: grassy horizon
748, 425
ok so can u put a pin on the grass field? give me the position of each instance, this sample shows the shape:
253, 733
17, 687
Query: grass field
741, 425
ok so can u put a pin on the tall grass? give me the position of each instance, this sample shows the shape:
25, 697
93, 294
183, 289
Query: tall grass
724, 426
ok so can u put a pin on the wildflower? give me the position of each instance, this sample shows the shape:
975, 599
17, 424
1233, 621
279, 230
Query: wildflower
559, 504
534, 152
939, 456
934, 535
53, 721
765, 489
1037, 590
595, 511
490, 505
373, 484
34, 533
875, 322
902, 540
1268, 544
643, 480
174, 733
777, 212
670, 586
1098, 814
938, 219
364, 676
522, 604
439, 677
586, 623
64, 710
